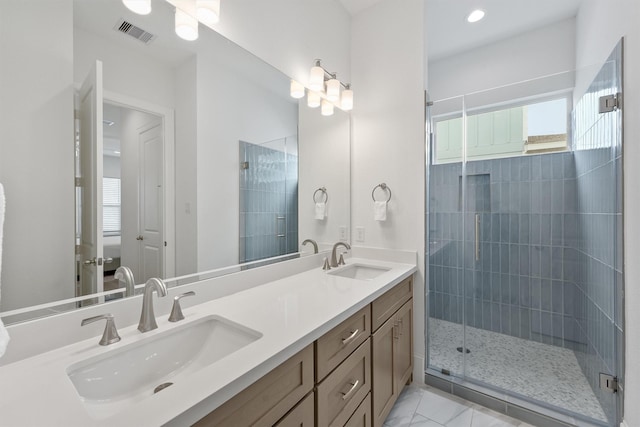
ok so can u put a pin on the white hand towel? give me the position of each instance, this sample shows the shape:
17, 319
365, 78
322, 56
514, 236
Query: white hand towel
321, 210
380, 211
4, 335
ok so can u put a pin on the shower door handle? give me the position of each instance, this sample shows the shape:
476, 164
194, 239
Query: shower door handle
477, 237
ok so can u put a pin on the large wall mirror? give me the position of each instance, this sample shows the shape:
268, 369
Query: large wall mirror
125, 145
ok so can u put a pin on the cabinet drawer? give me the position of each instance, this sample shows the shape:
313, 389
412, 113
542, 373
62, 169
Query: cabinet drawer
339, 395
267, 400
383, 307
301, 416
333, 347
362, 416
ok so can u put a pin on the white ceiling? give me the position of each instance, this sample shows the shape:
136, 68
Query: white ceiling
448, 33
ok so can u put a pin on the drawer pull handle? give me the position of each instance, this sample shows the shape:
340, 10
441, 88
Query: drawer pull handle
354, 385
350, 338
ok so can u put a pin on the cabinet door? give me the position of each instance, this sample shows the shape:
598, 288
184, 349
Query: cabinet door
362, 416
267, 400
340, 394
403, 360
302, 415
383, 372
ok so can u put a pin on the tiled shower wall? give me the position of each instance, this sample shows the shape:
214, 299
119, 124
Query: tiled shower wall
522, 282
268, 203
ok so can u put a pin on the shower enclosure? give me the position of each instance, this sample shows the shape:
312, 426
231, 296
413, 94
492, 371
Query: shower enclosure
524, 256
268, 199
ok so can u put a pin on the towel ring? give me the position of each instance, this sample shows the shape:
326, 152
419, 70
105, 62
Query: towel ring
323, 191
384, 187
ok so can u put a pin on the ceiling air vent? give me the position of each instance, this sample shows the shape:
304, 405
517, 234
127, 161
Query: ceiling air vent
136, 32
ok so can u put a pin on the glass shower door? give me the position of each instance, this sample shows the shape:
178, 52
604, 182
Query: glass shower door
446, 240
525, 243
268, 199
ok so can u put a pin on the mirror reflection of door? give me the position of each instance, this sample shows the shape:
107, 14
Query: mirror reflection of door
90, 249
133, 194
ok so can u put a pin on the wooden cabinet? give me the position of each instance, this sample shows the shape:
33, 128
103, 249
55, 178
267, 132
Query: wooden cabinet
349, 377
270, 398
333, 347
362, 416
341, 392
391, 349
303, 415
389, 302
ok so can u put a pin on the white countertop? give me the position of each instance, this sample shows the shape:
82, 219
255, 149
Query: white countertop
290, 313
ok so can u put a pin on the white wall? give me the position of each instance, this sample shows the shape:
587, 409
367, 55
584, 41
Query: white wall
230, 109
125, 71
388, 45
324, 161
534, 54
36, 164
621, 18
111, 166
290, 34
186, 177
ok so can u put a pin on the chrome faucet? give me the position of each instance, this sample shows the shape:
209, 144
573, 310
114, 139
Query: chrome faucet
147, 317
334, 258
313, 242
125, 275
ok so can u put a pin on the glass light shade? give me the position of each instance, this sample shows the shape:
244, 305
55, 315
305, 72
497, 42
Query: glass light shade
186, 25
208, 11
316, 79
327, 108
313, 99
141, 7
346, 102
296, 90
333, 90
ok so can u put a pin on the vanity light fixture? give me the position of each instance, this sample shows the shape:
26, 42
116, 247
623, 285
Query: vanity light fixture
326, 86
186, 25
313, 99
208, 11
346, 103
316, 77
141, 7
296, 90
333, 90
327, 108
475, 16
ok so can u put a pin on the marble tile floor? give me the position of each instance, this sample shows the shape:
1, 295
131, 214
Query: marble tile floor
515, 364
424, 406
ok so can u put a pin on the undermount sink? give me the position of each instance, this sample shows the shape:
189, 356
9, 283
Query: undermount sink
360, 271
110, 382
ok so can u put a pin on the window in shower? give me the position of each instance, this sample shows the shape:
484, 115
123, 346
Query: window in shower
513, 129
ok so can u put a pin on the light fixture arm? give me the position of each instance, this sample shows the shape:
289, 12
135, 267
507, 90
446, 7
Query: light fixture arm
328, 75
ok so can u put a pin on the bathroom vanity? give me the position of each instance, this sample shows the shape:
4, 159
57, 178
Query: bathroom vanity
332, 348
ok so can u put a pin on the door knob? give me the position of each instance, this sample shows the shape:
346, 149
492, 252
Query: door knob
90, 261
140, 237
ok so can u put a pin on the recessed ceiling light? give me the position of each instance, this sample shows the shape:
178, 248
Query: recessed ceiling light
475, 16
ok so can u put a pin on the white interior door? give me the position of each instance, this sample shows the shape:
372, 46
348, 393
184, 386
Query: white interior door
151, 201
90, 115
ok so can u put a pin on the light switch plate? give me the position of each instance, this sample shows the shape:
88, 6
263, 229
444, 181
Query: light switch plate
360, 234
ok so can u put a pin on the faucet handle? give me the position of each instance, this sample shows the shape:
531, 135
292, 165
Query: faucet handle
176, 310
326, 265
110, 334
341, 260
